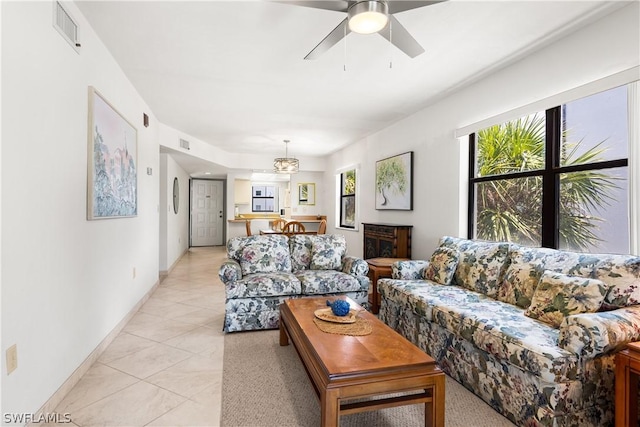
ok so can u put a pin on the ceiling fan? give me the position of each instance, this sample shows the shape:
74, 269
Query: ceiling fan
367, 17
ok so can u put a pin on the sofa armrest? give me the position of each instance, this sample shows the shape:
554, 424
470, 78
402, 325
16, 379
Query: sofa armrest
409, 270
230, 271
592, 334
354, 266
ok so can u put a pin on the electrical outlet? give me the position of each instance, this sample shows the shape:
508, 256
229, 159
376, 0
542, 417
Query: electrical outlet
12, 358
134, 272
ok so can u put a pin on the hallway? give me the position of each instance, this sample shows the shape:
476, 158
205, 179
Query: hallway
165, 367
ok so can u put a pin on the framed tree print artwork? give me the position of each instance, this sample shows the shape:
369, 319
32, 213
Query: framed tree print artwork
394, 182
112, 184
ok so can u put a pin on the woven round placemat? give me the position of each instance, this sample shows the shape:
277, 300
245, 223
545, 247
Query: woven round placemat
359, 328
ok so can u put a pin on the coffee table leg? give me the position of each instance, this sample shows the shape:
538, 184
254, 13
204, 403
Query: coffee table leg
284, 338
434, 410
330, 409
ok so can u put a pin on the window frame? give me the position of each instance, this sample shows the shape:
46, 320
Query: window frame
253, 197
342, 197
550, 175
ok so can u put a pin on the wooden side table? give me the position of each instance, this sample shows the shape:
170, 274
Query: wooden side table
627, 372
378, 268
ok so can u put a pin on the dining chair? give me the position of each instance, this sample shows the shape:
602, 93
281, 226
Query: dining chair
293, 227
248, 225
322, 228
278, 224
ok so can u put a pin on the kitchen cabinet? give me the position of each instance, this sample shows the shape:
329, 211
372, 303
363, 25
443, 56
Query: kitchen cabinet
242, 192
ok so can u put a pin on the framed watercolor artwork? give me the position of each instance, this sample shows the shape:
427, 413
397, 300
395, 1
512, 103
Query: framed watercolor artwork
394, 182
112, 177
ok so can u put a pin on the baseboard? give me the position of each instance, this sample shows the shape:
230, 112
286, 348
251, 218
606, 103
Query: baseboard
57, 397
164, 273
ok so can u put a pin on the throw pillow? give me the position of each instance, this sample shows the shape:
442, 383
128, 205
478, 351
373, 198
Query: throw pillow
481, 266
622, 272
265, 258
559, 295
326, 254
526, 267
442, 265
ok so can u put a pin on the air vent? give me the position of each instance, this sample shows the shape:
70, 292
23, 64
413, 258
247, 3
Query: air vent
66, 26
184, 144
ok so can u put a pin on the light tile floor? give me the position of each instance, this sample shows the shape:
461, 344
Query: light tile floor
165, 367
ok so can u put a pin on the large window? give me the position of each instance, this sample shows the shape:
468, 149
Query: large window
557, 178
348, 199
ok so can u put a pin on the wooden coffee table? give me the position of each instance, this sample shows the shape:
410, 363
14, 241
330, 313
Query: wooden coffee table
343, 368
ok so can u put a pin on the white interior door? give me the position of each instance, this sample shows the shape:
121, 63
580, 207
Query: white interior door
207, 199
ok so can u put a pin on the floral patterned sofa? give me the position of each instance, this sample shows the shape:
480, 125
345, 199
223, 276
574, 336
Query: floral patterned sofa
532, 331
263, 271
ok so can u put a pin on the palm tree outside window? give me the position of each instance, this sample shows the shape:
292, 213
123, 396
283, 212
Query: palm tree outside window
557, 178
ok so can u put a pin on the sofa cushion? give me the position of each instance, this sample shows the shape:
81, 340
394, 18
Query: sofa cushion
301, 248
442, 265
265, 257
481, 266
326, 254
526, 266
264, 285
504, 331
622, 273
421, 296
314, 282
236, 245
559, 295
495, 327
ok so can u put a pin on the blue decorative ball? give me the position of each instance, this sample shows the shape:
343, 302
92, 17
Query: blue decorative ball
339, 307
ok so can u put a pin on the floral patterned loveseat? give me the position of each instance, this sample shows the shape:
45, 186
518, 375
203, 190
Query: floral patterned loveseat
263, 271
532, 331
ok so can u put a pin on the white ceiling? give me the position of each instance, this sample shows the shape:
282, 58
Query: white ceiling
232, 74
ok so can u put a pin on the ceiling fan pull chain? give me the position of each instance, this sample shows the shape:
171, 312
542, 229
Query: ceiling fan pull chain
344, 66
391, 44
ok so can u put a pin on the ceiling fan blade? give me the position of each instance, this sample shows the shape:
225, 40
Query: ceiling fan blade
400, 37
396, 6
337, 5
332, 38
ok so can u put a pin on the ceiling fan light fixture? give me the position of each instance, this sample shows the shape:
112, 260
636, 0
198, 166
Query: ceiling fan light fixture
286, 164
368, 17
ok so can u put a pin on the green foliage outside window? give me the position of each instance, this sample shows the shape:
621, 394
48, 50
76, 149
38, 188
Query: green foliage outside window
349, 182
348, 199
510, 209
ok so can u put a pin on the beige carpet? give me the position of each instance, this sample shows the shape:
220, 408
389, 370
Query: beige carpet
264, 384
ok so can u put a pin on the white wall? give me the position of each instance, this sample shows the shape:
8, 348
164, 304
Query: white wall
320, 208
170, 138
604, 48
66, 282
174, 228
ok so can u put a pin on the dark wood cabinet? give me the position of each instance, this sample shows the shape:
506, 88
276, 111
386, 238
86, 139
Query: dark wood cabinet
387, 241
